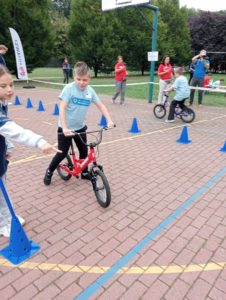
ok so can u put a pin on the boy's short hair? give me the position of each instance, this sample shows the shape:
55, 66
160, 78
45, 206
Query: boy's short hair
81, 69
178, 70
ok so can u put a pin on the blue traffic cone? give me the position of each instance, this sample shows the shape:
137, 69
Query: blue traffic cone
56, 110
19, 248
103, 121
40, 106
223, 149
17, 101
134, 127
184, 136
29, 104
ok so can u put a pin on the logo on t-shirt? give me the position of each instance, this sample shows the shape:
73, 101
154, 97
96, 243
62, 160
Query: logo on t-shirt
81, 102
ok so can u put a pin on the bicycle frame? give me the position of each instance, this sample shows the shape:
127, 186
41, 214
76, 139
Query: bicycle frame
178, 112
78, 165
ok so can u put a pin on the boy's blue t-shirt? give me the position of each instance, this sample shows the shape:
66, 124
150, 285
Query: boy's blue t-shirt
182, 88
78, 102
200, 69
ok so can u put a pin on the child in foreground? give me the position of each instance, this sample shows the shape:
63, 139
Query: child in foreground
11, 131
76, 98
182, 92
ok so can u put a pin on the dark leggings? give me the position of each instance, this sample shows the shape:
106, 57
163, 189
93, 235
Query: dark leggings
64, 145
173, 106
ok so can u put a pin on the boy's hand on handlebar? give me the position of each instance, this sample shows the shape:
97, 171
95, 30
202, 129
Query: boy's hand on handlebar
47, 149
68, 132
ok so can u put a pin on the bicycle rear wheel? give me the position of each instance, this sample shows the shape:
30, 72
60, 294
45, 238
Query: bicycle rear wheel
101, 187
187, 115
68, 164
159, 111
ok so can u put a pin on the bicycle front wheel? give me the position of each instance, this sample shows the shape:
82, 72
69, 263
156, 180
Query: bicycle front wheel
188, 115
67, 163
159, 111
101, 188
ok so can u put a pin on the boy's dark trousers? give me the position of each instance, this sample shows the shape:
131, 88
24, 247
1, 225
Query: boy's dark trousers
64, 145
173, 106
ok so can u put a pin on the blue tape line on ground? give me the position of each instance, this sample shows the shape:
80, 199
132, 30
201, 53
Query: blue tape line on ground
90, 290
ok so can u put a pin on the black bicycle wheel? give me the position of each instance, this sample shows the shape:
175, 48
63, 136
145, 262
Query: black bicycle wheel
187, 115
159, 111
68, 164
101, 188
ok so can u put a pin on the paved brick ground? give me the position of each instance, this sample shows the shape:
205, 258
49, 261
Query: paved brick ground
151, 176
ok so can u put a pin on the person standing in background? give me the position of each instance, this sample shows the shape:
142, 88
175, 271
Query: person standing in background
202, 64
66, 70
120, 80
165, 73
191, 71
3, 50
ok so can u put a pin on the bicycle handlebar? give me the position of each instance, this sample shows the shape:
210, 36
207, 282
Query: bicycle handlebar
93, 144
99, 140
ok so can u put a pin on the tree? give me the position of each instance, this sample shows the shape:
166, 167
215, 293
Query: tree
208, 32
92, 34
62, 7
174, 35
136, 31
62, 45
31, 20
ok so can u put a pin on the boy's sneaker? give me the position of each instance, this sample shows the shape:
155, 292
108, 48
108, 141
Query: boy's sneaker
85, 175
113, 101
48, 177
169, 121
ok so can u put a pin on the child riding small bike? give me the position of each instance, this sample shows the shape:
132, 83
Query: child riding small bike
76, 98
182, 93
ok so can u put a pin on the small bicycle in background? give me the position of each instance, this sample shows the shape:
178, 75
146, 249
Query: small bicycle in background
187, 115
72, 166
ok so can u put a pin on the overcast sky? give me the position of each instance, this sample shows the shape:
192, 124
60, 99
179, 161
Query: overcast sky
211, 5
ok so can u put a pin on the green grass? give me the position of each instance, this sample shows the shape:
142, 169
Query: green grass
136, 92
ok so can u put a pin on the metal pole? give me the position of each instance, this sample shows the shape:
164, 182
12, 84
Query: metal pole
153, 48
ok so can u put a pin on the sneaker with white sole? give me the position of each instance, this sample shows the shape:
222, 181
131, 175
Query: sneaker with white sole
5, 230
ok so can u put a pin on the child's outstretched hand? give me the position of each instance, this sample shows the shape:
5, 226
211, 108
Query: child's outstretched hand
110, 125
47, 149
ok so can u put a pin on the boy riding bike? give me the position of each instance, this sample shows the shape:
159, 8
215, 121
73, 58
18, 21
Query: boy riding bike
182, 92
76, 98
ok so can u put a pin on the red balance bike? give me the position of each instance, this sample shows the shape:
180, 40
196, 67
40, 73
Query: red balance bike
72, 166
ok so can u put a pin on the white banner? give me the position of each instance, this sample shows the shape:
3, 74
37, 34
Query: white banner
19, 54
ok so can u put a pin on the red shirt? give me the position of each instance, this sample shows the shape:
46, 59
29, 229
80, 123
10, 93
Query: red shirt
163, 68
206, 81
120, 75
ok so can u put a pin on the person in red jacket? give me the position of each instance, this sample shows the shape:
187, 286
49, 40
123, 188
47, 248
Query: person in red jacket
165, 73
208, 81
120, 80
